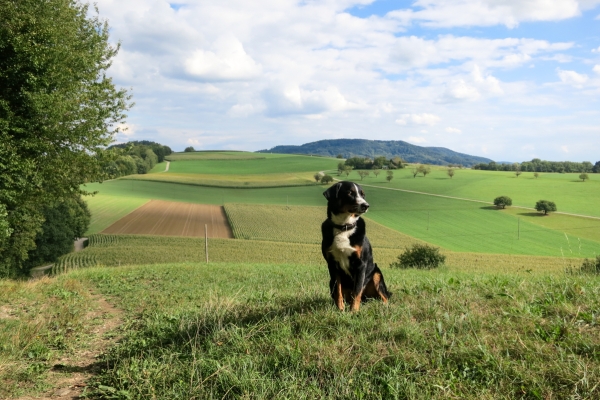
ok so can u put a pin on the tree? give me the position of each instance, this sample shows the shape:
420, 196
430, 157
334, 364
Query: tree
536, 175
390, 176
450, 172
423, 169
340, 168
189, 149
376, 171
339, 156
326, 179
596, 168
545, 206
518, 172
415, 171
502, 201
58, 112
64, 222
347, 170
583, 177
363, 174
318, 176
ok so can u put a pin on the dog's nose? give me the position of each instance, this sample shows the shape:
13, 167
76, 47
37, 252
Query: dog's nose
364, 207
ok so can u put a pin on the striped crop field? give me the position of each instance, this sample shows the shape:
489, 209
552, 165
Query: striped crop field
299, 224
170, 218
107, 209
119, 250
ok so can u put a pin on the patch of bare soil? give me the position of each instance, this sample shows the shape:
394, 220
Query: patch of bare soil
70, 373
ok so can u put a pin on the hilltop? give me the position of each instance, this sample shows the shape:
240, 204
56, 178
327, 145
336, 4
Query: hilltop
388, 148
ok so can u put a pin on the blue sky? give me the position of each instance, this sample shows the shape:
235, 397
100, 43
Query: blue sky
509, 80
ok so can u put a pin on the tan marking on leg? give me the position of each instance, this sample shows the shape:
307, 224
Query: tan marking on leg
376, 280
356, 301
358, 250
339, 296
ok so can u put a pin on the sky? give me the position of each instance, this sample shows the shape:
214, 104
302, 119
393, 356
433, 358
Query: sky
510, 80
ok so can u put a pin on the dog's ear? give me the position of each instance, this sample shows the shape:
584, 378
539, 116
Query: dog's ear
332, 192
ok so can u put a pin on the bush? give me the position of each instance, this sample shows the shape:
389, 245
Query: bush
420, 256
591, 266
502, 201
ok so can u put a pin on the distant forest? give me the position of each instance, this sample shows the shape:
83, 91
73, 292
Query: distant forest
135, 157
348, 148
537, 165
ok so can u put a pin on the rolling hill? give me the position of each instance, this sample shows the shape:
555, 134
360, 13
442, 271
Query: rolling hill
388, 148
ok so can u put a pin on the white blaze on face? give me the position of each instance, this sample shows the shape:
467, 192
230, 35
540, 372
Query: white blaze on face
359, 199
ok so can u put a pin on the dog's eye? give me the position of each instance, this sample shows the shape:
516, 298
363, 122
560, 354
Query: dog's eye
362, 193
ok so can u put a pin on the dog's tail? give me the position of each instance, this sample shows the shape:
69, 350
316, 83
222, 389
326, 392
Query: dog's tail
382, 287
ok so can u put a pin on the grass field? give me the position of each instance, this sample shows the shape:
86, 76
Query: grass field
267, 165
120, 250
215, 155
568, 192
453, 224
232, 181
255, 331
107, 209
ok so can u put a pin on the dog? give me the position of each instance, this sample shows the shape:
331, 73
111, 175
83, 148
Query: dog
346, 248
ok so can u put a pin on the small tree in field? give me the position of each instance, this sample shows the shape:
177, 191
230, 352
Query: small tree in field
390, 176
376, 171
425, 170
363, 174
318, 176
420, 256
583, 177
536, 175
326, 179
189, 149
545, 206
502, 201
450, 172
415, 171
518, 172
347, 170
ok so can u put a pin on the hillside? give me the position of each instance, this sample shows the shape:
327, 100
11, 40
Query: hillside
388, 148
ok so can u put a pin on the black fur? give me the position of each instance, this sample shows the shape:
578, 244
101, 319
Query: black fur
365, 279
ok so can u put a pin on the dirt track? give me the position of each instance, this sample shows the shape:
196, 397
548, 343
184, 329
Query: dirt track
167, 218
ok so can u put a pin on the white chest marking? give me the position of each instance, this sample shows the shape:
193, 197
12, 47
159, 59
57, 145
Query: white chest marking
340, 248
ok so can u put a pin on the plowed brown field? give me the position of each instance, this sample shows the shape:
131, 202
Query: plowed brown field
168, 218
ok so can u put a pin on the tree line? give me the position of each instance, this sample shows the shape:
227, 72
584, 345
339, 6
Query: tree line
135, 157
537, 165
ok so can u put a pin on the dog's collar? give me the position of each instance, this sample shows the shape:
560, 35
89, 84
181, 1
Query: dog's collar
345, 227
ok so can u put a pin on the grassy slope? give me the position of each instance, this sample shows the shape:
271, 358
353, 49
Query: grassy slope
568, 192
259, 331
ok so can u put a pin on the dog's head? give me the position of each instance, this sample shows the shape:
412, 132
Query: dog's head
346, 197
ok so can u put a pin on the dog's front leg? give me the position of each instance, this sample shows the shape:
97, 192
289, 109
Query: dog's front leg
359, 286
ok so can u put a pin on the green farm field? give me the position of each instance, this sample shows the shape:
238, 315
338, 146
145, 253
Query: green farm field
215, 155
568, 191
453, 224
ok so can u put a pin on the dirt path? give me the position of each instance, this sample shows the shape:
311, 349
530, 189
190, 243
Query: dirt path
167, 167
69, 374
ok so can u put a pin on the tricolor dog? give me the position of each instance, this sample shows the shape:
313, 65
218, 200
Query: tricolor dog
345, 247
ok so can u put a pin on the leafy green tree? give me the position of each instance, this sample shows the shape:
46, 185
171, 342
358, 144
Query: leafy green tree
415, 171
583, 177
340, 168
545, 206
64, 222
518, 172
363, 174
390, 175
58, 111
339, 156
450, 172
189, 149
376, 171
326, 179
596, 168
536, 175
318, 176
424, 169
502, 201
347, 170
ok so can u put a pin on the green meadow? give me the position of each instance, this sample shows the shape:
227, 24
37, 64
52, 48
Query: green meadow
507, 316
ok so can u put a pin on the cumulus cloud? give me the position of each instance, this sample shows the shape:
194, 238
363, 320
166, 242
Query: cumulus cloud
416, 139
596, 68
471, 88
453, 130
455, 13
293, 99
228, 62
418, 119
572, 78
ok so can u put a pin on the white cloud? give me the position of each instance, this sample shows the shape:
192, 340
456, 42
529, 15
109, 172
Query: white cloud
596, 68
572, 78
565, 149
453, 130
418, 119
455, 13
228, 62
596, 50
292, 99
416, 139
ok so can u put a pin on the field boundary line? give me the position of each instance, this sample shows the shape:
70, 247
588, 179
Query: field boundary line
473, 200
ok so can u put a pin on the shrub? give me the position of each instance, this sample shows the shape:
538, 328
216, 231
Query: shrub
591, 266
420, 256
502, 201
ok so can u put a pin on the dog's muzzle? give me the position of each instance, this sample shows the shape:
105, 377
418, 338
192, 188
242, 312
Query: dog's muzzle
363, 207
